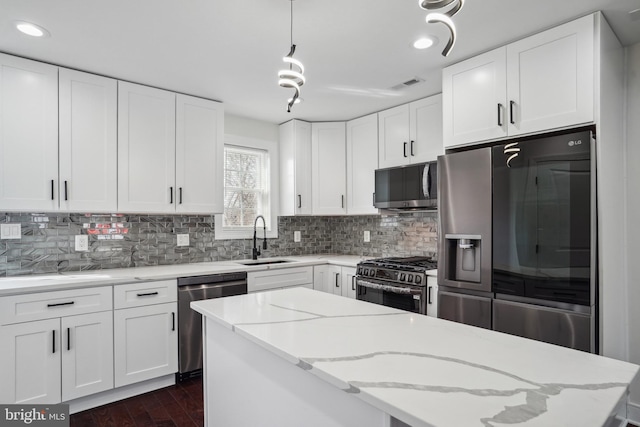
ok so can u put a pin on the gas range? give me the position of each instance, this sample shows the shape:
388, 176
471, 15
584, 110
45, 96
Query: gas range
396, 282
408, 270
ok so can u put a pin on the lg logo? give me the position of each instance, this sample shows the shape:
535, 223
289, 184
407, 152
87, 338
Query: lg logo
577, 142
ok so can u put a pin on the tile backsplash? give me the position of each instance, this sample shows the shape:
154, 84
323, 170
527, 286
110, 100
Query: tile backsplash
122, 240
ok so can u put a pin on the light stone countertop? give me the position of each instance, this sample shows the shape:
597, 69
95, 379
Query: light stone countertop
52, 282
426, 371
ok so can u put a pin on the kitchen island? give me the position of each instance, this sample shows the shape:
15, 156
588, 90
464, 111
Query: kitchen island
297, 357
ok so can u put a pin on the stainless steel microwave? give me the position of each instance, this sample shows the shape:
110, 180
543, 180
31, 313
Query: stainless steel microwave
411, 187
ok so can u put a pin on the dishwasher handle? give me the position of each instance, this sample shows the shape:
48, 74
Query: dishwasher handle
234, 283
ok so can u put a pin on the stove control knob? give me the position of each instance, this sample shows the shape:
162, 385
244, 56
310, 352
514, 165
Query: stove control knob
418, 280
371, 272
410, 278
402, 276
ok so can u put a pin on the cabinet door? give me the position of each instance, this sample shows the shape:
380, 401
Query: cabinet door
87, 354
88, 142
146, 149
329, 176
362, 161
321, 278
145, 343
295, 168
28, 135
334, 279
425, 118
348, 275
432, 296
474, 99
199, 155
30, 362
394, 138
550, 78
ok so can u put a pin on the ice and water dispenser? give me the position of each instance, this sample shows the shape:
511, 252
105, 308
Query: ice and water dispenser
462, 260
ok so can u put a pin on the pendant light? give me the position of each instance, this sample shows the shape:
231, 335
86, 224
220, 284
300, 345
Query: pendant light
444, 18
293, 77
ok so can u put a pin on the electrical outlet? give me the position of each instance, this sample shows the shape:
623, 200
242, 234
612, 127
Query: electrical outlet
10, 231
367, 236
82, 243
183, 240
296, 236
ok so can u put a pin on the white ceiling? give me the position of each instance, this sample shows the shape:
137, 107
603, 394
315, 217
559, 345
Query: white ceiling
354, 51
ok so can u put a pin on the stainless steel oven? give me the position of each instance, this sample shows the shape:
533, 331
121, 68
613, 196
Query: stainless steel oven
403, 297
395, 282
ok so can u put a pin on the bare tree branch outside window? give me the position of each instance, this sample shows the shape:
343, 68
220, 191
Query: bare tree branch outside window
245, 186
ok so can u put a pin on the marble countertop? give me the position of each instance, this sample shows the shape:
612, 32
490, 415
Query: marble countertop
49, 282
426, 371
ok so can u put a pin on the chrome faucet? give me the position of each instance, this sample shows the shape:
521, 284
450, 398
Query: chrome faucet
256, 251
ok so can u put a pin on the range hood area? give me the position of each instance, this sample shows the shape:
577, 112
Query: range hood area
404, 188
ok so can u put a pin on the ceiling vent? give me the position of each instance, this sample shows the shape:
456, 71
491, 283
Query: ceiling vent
411, 82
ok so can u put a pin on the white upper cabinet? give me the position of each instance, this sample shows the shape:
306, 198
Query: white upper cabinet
540, 83
28, 135
329, 176
88, 142
199, 155
362, 161
146, 149
474, 94
550, 80
393, 145
295, 168
425, 129
410, 133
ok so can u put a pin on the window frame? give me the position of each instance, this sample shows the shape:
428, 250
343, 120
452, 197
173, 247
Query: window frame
271, 147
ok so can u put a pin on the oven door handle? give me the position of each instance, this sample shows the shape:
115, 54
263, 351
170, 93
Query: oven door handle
389, 288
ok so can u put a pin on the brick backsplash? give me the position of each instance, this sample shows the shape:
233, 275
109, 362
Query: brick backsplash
116, 241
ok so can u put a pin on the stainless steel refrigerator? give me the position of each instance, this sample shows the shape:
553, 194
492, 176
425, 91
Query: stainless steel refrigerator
518, 238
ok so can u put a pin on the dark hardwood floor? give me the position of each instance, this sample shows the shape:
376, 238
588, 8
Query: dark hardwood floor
180, 405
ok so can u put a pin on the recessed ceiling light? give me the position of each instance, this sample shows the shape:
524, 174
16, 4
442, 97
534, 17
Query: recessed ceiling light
424, 42
31, 29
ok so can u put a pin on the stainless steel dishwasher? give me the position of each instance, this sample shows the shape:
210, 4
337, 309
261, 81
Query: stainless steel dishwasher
198, 288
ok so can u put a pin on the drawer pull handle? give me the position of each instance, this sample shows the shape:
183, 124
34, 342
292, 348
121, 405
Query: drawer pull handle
337, 275
68, 339
61, 303
54, 341
147, 294
173, 321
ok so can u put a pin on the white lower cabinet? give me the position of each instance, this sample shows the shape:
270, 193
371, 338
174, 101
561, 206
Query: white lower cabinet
432, 296
146, 342
57, 355
335, 280
87, 354
279, 278
30, 362
145, 322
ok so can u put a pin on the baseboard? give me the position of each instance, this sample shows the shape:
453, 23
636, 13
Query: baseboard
633, 413
113, 395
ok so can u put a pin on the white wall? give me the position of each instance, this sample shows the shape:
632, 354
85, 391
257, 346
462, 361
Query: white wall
633, 209
250, 128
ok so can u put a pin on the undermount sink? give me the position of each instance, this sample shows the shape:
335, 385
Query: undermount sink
263, 261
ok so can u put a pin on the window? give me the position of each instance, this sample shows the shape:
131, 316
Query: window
250, 180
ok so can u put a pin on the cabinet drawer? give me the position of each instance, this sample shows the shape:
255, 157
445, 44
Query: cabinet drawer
280, 278
145, 293
47, 305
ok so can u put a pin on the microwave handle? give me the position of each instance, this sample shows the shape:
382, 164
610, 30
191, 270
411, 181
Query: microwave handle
426, 181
